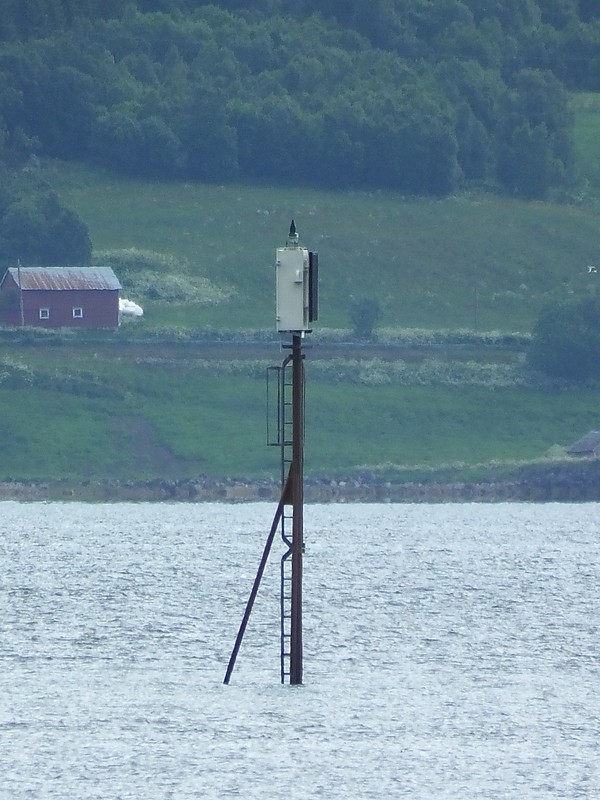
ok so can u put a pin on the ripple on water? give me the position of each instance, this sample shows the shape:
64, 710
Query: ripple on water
450, 651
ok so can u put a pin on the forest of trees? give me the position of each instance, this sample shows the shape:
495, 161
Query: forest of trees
418, 96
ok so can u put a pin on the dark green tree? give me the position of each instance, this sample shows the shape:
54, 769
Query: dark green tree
579, 55
65, 111
40, 230
209, 139
475, 149
64, 238
535, 147
20, 229
364, 314
566, 340
588, 10
525, 162
558, 13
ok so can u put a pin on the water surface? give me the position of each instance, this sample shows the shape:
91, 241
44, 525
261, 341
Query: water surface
451, 651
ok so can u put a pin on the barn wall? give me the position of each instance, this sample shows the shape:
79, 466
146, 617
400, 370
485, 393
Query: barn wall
100, 307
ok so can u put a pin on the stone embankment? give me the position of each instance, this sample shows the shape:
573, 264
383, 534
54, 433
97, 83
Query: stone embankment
572, 482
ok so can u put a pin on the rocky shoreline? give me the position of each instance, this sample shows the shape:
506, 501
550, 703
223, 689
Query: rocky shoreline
572, 482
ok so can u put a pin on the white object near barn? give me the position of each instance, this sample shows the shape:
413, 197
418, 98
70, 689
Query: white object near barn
128, 308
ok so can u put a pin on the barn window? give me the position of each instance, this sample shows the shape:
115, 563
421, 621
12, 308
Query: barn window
78, 312
44, 313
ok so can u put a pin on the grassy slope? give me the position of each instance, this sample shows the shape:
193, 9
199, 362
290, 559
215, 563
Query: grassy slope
460, 262
138, 419
183, 422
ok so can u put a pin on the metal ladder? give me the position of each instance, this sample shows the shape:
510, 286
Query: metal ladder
283, 440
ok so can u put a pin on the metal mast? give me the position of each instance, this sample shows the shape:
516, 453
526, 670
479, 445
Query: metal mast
297, 301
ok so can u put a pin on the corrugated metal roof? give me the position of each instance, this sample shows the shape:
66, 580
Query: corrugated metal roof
65, 278
587, 444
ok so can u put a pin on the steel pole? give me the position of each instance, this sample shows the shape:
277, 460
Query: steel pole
297, 473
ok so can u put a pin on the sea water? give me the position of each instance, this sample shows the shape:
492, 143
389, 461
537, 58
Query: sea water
450, 651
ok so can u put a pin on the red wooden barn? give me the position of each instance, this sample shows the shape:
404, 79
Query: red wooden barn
60, 297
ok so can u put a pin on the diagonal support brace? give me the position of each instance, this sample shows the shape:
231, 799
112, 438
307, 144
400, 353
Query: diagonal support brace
261, 568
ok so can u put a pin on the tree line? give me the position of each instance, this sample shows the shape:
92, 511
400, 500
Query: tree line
415, 96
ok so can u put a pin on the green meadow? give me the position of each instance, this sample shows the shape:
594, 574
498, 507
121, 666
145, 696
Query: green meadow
83, 413
472, 261
151, 401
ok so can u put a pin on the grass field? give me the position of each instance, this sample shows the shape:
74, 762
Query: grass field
87, 412
463, 262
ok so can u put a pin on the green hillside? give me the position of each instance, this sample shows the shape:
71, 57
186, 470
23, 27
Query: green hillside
468, 261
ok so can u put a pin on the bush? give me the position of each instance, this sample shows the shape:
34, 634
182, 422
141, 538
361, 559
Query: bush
40, 230
566, 340
161, 277
364, 315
